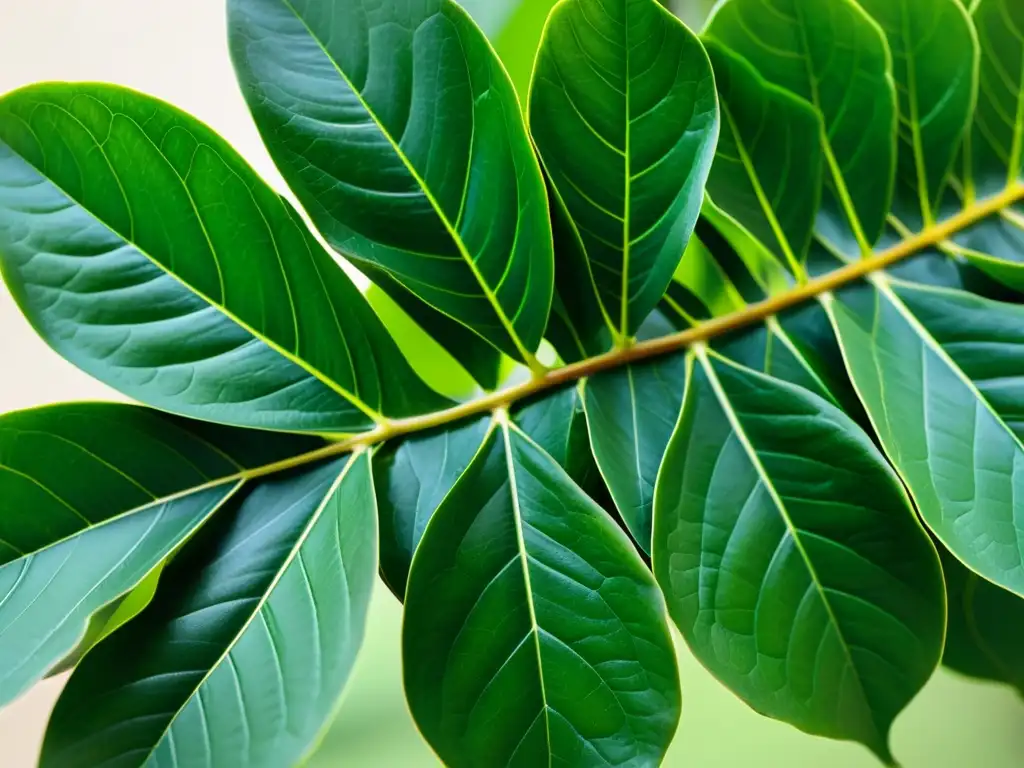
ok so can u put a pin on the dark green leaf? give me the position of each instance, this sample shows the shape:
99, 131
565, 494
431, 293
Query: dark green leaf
631, 412
145, 251
938, 372
935, 65
624, 113
92, 498
986, 625
791, 557
412, 477
768, 168
533, 633
242, 656
832, 54
400, 132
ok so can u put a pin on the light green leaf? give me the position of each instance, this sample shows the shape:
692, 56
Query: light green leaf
832, 54
935, 65
936, 371
242, 656
533, 633
399, 130
624, 113
791, 558
92, 498
145, 251
985, 627
768, 168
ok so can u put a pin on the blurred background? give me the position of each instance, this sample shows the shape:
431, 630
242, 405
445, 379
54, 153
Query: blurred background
177, 51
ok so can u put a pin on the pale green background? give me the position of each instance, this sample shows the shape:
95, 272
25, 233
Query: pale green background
176, 50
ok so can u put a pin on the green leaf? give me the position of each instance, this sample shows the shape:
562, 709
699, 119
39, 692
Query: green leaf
994, 151
791, 558
986, 624
624, 114
768, 168
937, 372
145, 251
399, 131
412, 478
92, 498
935, 65
533, 633
832, 54
242, 656
416, 328
631, 412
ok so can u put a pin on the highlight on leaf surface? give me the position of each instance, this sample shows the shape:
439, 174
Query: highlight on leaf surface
779, 264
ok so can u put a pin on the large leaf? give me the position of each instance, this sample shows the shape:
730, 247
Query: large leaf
938, 372
791, 557
400, 132
624, 113
986, 624
768, 167
935, 63
242, 656
832, 54
145, 251
533, 633
92, 498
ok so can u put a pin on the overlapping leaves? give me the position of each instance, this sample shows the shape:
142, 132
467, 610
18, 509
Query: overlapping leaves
762, 409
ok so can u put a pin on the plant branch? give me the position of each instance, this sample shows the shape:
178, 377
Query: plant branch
932, 236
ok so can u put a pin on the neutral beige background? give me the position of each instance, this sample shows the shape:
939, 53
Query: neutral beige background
176, 50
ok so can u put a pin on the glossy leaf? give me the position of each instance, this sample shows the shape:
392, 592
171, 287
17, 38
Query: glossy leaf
92, 498
832, 54
145, 251
533, 633
985, 627
791, 558
768, 167
399, 131
624, 114
242, 656
937, 371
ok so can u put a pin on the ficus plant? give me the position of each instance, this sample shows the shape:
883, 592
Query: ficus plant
743, 314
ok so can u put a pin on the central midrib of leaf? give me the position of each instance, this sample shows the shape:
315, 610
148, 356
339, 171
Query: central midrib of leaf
708, 330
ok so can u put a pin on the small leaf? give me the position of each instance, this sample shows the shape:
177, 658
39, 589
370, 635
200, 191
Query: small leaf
242, 656
768, 168
399, 131
412, 477
936, 371
624, 114
791, 558
533, 633
92, 498
986, 624
631, 412
145, 251
832, 54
